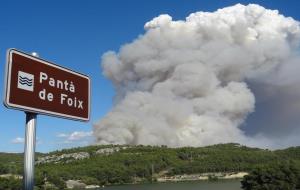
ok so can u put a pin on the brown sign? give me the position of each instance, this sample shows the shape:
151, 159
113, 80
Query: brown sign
38, 86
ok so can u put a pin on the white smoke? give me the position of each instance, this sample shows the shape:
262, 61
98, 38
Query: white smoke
184, 83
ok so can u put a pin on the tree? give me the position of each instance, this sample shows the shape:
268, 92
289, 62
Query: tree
277, 177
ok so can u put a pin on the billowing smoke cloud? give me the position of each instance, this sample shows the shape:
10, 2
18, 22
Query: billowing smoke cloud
188, 82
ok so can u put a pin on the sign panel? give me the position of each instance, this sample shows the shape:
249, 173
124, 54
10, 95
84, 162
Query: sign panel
38, 86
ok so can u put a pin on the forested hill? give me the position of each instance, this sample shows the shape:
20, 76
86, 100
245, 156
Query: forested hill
117, 164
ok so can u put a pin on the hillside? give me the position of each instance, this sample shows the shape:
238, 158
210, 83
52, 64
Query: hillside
119, 164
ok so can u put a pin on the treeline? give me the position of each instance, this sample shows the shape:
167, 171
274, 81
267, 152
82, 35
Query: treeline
282, 176
136, 164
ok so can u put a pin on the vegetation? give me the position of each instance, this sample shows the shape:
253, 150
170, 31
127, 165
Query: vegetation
10, 183
276, 177
138, 164
11, 163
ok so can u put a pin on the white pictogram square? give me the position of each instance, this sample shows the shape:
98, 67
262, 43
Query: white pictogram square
25, 81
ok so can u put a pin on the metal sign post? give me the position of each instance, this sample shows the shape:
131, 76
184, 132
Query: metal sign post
29, 151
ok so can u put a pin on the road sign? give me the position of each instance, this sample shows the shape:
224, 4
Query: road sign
38, 86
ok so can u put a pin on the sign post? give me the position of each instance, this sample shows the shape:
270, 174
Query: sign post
37, 86
29, 151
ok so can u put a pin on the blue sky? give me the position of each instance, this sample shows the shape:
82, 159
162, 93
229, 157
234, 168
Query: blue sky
75, 34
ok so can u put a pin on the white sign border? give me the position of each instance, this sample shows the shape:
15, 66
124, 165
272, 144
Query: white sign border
36, 110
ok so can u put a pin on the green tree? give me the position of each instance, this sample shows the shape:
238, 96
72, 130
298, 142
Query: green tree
276, 177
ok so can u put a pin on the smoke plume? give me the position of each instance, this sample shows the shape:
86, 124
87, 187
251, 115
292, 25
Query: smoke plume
193, 82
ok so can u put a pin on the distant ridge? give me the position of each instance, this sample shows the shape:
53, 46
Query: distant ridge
126, 164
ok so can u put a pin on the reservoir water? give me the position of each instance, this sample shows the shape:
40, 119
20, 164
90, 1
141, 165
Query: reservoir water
219, 185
